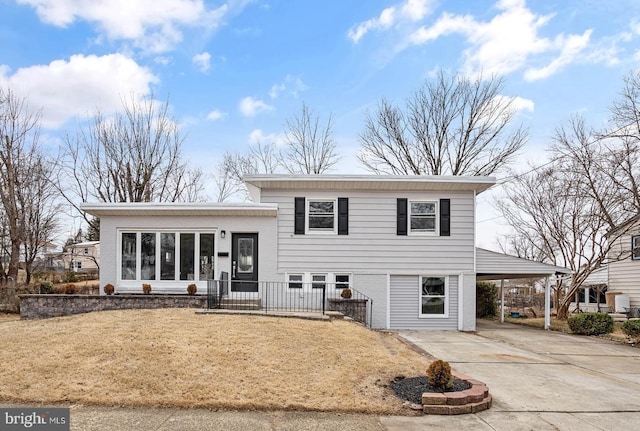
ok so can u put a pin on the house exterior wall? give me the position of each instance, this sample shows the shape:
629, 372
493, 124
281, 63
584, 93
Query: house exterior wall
111, 226
404, 303
624, 272
373, 252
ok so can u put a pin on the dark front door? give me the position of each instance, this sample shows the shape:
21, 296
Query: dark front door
244, 263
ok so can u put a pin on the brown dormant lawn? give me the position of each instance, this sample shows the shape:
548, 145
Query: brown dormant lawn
175, 358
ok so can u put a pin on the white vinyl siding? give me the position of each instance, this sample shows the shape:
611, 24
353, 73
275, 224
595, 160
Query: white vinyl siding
624, 271
372, 244
112, 226
404, 304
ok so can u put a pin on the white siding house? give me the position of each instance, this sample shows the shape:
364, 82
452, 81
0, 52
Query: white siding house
624, 260
407, 242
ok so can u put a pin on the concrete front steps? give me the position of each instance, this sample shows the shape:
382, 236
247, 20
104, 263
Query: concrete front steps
618, 317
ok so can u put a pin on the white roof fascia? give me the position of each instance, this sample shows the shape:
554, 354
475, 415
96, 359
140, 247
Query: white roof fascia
372, 182
175, 208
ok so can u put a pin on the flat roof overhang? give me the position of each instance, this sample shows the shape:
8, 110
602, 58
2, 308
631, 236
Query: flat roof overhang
491, 265
400, 183
180, 209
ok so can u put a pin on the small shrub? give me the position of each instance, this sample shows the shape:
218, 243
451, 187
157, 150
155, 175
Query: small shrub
346, 293
439, 375
108, 289
46, 287
631, 328
146, 288
591, 323
69, 289
70, 277
192, 289
486, 299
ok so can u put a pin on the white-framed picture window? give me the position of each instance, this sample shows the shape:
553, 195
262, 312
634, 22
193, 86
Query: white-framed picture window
434, 296
166, 256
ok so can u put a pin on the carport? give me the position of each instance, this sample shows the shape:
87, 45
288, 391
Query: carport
491, 265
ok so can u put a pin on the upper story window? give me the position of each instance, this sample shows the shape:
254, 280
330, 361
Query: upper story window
423, 216
86, 251
321, 215
635, 247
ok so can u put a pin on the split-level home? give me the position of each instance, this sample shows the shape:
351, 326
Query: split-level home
405, 242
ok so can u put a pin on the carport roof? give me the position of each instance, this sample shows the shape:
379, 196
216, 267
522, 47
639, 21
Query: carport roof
491, 265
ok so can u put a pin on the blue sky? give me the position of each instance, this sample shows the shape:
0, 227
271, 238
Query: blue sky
235, 71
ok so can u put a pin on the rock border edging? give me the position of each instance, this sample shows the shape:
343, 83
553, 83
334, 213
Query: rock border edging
472, 400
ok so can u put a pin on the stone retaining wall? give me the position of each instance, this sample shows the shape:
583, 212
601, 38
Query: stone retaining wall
354, 308
43, 306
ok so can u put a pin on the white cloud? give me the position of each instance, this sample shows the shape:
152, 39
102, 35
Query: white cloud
258, 136
508, 42
517, 103
408, 11
163, 60
571, 48
216, 115
153, 25
250, 107
202, 61
293, 85
66, 89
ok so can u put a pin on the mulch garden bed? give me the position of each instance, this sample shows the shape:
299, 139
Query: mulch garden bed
411, 388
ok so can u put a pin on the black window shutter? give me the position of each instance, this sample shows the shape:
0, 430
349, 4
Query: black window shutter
402, 217
343, 216
299, 209
445, 217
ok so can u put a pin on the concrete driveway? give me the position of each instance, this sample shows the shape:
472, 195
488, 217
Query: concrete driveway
540, 380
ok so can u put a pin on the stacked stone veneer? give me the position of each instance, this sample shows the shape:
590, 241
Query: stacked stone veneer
43, 306
354, 308
473, 400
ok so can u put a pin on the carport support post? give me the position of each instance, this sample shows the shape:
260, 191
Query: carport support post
502, 300
547, 303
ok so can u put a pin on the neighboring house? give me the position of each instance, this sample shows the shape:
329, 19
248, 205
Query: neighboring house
624, 260
592, 295
82, 257
408, 242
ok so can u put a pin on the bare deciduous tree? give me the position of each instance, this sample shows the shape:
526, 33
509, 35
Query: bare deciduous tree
27, 198
40, 210
451, 126
566, 210
134, 156
261, 159
309, 146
